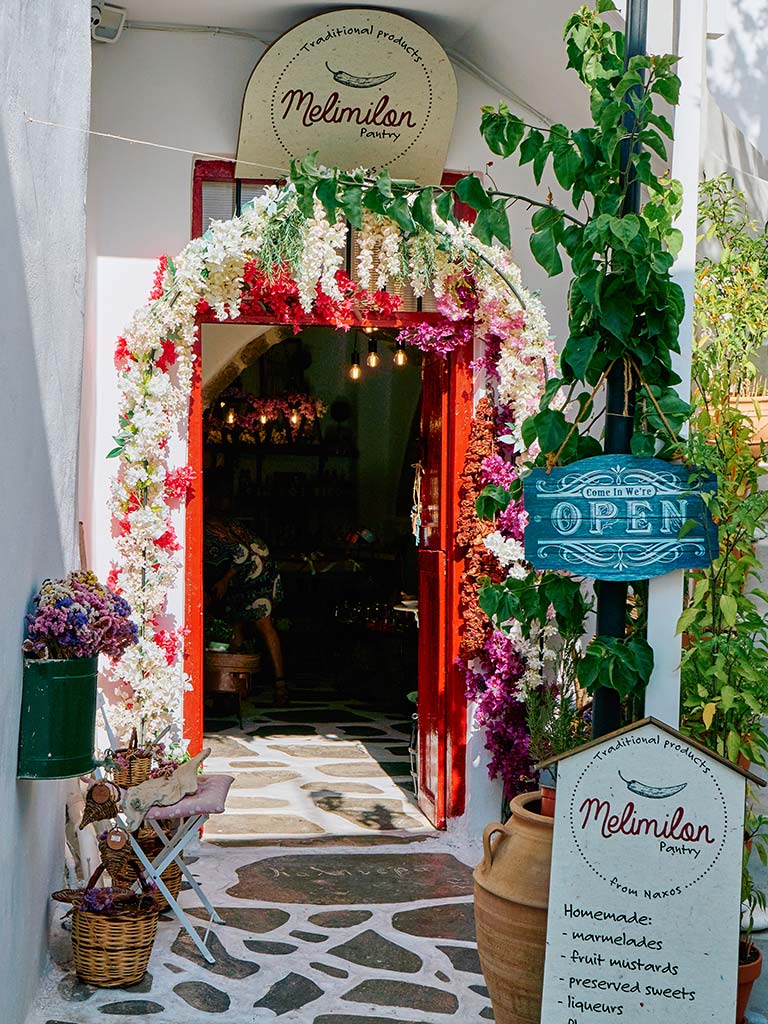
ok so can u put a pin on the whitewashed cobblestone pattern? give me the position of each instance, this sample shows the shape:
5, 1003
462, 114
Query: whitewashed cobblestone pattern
341, 905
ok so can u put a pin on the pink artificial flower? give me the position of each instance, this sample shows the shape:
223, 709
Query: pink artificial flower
495, 470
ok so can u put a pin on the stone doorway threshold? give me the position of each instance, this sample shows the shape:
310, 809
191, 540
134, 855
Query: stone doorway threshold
341, 904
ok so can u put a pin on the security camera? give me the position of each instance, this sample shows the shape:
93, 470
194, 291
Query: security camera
107, 21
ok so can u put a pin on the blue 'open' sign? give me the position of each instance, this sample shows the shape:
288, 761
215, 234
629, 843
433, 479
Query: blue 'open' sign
619, 517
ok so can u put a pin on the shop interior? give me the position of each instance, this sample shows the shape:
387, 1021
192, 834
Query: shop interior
311, 440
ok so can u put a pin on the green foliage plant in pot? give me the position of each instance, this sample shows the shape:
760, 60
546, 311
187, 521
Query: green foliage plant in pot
219, 635
752, 899
74, 621
724, 625
725, 634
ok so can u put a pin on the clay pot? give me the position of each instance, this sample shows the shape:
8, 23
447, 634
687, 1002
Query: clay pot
229, 673
511, 898
755, 409
748, 975
548, 794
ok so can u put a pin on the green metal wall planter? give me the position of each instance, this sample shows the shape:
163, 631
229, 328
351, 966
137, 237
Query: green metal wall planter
58, 718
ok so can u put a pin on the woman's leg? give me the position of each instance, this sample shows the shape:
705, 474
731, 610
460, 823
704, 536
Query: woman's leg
271, 637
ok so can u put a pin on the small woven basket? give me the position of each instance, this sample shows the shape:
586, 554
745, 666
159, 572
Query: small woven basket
112, 950
137, 768
124, 867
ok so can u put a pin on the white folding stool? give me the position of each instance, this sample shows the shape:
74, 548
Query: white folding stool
191, 813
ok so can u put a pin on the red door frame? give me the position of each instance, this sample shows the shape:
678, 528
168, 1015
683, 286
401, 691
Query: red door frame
460, 407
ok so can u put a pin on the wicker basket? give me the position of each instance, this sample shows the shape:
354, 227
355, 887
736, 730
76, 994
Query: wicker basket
112, 950
137, 770
138, 766
124, 867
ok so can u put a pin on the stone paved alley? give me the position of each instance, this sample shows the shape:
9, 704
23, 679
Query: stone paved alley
341, 904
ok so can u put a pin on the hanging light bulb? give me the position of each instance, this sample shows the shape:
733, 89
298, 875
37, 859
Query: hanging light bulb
354, 370
263, 419
401, 357
294, 419
370, 330
372, 358
231, 417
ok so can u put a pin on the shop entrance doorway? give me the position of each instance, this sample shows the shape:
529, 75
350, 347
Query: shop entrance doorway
440, 437
367, 610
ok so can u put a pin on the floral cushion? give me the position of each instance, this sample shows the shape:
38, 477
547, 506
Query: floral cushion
210, 798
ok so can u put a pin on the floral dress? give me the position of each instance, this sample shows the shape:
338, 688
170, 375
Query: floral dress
256, 587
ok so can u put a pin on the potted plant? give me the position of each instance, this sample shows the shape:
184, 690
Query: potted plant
752, 899
219, 635
731, 297
724, 668
725, 657
74, 621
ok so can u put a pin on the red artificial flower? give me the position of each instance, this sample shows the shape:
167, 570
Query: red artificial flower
112, 579
158, 283
168, 356
168, 540
178, 483
122, 355
169, 642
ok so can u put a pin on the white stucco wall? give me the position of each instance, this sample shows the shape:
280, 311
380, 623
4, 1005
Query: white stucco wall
45, 72
736, 68
184, 89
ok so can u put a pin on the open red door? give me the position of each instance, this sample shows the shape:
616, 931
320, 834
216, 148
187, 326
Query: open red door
447, 403
433, 559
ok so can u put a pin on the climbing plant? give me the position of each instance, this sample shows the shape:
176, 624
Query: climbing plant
623, 306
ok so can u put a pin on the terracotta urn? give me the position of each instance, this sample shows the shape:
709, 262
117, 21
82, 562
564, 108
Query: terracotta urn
511, 898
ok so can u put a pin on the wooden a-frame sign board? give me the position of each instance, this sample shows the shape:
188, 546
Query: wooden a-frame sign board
645, 889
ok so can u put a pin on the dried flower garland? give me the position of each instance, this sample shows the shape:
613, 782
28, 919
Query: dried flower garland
493, 662
278, 261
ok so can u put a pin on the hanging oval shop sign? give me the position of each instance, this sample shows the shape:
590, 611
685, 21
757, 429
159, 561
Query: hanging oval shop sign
364, 88
619, 517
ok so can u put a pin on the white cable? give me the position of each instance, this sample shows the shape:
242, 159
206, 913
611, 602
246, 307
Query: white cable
497, 86
215, 30
283, 171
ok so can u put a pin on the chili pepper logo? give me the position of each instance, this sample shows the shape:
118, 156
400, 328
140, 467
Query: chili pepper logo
652, 792
356, 82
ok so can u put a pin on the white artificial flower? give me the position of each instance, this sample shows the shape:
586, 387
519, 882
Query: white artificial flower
155, 404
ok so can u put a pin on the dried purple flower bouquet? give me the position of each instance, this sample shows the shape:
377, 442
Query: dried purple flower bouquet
78, 617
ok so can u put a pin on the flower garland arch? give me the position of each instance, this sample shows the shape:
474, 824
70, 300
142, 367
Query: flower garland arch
279, 259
